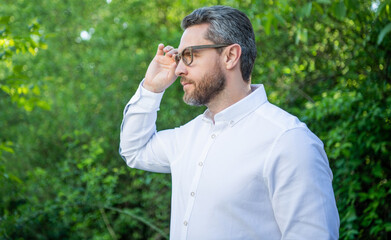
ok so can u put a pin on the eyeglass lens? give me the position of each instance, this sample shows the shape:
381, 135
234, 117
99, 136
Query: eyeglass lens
186, 55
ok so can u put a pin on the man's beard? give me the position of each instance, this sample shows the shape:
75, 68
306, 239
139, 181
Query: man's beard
206, 89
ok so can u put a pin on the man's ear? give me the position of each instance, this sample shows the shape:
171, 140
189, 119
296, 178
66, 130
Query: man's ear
232, 55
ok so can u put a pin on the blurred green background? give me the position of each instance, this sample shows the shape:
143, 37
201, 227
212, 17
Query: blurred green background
68, 67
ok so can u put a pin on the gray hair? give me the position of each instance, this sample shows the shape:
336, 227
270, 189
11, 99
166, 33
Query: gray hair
227, 26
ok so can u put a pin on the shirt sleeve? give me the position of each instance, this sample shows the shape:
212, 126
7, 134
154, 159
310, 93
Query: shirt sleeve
300, 186
140, 145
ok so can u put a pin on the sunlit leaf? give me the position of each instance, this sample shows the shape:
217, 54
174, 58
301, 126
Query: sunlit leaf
307, 9
268, 24
6, 148
15, 179
383, 33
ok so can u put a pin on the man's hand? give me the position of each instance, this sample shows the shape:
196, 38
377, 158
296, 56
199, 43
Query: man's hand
161, 71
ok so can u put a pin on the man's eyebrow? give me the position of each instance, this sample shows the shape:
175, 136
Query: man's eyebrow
179, 51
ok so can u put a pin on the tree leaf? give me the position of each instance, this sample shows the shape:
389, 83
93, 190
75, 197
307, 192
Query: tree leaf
305, 11
5, 19
340, 10
383, 33
318, 7
324, 1
280, 19
380, 8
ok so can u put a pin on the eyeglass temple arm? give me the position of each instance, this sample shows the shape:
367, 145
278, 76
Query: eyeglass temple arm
210, 46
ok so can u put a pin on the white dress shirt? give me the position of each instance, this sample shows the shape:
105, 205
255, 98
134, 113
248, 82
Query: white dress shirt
256, 173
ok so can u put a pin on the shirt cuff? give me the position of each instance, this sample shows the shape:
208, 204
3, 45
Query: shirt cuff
143, 98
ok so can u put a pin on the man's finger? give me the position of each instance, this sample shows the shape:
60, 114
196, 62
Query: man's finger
168, 48
171, 52
160, 49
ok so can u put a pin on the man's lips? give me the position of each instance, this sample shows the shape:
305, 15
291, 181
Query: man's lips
184, 83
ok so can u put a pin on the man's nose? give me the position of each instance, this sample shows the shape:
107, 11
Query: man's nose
181, 69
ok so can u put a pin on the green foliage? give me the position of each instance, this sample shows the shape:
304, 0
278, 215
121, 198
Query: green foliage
327, 61
18, 37
19, 40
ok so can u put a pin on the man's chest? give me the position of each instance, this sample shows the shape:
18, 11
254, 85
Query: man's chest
229, 162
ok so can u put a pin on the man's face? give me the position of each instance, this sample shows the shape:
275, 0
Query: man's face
204, 78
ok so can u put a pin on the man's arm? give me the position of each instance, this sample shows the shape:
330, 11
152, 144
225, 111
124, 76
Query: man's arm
140, 146
300, 184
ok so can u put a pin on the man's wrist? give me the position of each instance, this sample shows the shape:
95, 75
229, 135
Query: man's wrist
147, 91
150, 88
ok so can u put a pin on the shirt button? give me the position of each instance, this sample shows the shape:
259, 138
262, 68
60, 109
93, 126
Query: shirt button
213, 136
231, 123
200, 164
192, 194
185, 223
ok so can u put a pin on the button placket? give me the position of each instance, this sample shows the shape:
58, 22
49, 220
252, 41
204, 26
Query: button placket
194, 185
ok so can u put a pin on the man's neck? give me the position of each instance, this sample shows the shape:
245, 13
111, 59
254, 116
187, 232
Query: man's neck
229, 96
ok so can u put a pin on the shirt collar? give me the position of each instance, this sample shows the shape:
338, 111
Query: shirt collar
242, 108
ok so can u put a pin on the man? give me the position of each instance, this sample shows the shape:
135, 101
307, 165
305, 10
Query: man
245, 169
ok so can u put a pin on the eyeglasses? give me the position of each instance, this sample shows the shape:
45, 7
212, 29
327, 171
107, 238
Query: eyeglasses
187, 54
